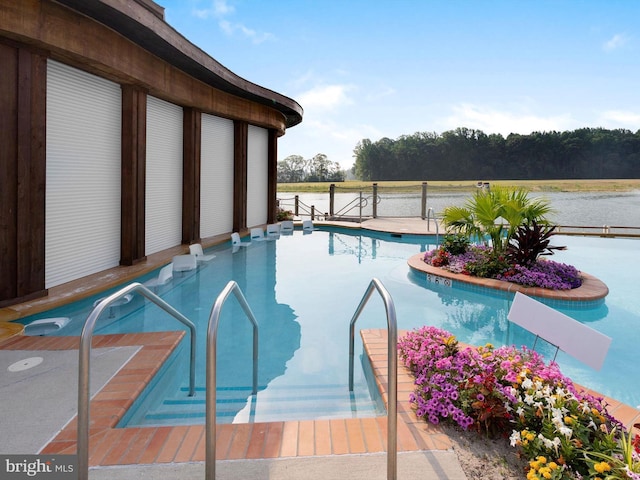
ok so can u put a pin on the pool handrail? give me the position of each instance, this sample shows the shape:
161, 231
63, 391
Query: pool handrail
392, 373
210, 402
84, 363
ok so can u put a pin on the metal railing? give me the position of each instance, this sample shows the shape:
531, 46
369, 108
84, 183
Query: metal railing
435, 220
392, 374
299, 208
85, 356
212, 334
359, 203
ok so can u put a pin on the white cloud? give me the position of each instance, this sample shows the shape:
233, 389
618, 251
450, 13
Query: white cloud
325, 97
620, 119
491, 120
619, 40
220, 9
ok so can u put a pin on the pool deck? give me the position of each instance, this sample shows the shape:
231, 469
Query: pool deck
316, 445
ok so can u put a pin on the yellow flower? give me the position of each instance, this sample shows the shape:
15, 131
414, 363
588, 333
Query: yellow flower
568, 420
602, 467
542, 459
553, 465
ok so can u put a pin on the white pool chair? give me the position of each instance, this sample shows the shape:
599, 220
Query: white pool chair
184, 263
45, 326
236, 242
257, 234
196, 249
307, 226
286, 227
164, 276
273, 231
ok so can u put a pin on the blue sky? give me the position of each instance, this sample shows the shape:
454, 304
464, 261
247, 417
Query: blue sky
373, 69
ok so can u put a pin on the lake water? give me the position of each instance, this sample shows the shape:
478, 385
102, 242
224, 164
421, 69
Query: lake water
593, 209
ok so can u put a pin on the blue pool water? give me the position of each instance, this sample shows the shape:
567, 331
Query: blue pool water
304, 289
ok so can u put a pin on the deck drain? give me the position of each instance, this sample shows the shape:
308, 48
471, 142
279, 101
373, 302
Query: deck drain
25, 364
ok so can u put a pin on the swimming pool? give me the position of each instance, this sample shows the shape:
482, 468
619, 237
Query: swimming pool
304, 289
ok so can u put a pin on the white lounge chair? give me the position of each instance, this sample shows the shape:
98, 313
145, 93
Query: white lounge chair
45, 326
236, 242
307, 226
164, 276
286, 227
184, 263
273, 231
257, 234
196, 249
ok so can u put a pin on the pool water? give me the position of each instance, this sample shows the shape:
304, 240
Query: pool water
304, 289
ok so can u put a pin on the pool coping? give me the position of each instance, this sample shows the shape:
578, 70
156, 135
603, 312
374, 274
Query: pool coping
111, 446
591, 290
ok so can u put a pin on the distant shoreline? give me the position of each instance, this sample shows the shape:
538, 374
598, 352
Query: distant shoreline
614, 185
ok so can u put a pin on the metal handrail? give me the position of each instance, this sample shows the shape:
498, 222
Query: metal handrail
359, 202
435, 220
212, 334
392, 373
85, 356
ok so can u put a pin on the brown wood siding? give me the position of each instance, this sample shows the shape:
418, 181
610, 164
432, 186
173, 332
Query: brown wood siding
192, 126
134, 147
240, 136
79, 41
23, 173
272, 175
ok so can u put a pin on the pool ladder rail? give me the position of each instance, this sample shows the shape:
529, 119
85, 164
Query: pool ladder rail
85, 362
212, 331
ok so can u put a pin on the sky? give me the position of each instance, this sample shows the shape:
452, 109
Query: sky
369, 69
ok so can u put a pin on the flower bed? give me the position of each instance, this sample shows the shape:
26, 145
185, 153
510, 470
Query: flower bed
513, 393
480, 261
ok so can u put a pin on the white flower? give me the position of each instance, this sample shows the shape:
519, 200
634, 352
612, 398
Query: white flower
566, 431
527, 383
514, 438
528, 399
520, 410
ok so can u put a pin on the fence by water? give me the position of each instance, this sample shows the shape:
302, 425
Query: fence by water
595, 213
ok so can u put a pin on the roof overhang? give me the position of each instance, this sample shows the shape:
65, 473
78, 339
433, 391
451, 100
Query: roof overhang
142, 22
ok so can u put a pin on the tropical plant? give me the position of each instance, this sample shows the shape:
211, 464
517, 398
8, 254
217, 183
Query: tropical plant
623, 463
282, 214
529, 242
495, 215
455, 244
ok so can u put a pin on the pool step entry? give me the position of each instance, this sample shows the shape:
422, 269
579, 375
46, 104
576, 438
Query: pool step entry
299, 402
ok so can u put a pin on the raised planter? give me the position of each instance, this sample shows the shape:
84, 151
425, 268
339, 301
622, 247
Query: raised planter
591, 289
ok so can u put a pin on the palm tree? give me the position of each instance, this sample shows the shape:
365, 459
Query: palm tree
495, 215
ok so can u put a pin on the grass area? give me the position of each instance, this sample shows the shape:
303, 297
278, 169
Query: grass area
623, 185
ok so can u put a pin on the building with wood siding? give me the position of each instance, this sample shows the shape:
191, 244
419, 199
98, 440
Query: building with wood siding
119, 139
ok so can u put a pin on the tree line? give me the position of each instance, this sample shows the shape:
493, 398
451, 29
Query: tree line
295, 168
464, 154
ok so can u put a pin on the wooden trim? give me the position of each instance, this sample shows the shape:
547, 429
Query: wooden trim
79, 41
192, 128
272, 175
23, 167
240, 136
8, 171
134, 149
